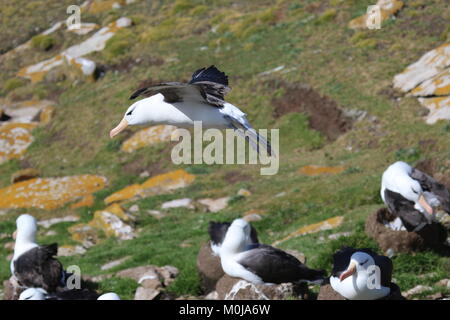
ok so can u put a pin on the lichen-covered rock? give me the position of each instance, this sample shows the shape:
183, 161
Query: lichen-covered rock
49, 193
387, 9
12, 289
438, 85
50, 222
431, 236
439, 108
96, 42
147, 137
83, 28
314, 170
69, 250
209, 268
429, 65
312, 228
327, 293
178, 203
159, 184
229, 288
112, 221
99, 6
15, 138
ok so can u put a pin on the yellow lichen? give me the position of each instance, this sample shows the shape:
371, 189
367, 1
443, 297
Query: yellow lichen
148, 136
313, 170
14, 140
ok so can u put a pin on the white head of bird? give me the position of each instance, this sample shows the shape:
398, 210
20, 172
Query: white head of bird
358, 267
26, 229
33, 294
236, 237
136, 114
397, 178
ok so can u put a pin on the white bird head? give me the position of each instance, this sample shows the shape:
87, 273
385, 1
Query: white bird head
236, 237
136, 114
359, 262
33, 294
109, 296
26, 229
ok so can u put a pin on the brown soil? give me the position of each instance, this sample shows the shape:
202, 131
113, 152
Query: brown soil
236, 176
140, 164
324, 114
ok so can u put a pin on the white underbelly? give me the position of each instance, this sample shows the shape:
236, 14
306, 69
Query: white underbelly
353, 291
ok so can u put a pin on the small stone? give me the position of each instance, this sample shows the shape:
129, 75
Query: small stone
50, 233
178, 203
9, 246
416, 290
335, 236
281, 194
253, 217
244, 193
157, 214
146, 293
212, 296
444, 283
114, 263
215, 205
144, 174
134, 208
67, 251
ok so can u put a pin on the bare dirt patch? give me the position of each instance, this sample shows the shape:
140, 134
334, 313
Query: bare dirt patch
324, 113
236, 176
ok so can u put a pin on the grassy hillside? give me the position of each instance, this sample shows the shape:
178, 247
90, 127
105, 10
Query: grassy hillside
167, 42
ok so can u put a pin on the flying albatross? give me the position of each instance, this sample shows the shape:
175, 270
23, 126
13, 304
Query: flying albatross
412, 195
41, 294
34, 265
180, 104
217, 232
261, 264
361, 274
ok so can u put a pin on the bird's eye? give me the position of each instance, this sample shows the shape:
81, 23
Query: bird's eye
362, 263
414, 191
129, 113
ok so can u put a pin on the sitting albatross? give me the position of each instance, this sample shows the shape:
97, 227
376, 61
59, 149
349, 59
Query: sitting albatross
261, 264
33, 265
217, 232
41, 294
361, 274
412, 195
180, 104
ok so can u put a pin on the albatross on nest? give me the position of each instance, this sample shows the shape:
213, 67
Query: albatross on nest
351, 272
180, 104
261, 264
34, 265
412, 195
218, 230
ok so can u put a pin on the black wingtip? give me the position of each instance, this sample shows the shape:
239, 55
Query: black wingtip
137, 93
211, 74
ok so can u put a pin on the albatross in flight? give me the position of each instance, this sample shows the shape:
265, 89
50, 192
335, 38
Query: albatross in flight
261, 264
351, 272
34, 265
412, 195
180, 104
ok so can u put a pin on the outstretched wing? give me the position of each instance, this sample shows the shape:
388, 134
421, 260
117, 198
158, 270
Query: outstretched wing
208, 85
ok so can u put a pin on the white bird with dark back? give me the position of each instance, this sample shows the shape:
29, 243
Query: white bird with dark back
261, 264
412, 195
361, 274
180, 104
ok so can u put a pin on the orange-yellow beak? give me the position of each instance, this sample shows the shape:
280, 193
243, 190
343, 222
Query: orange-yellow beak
122, 126
347, 273
14, 235
425, 204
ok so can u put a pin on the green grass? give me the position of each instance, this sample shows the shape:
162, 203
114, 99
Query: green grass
246, 39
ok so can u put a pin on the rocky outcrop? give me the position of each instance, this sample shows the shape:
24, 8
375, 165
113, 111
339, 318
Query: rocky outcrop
387, 9
229, 288
147, 137
152, 280
159, 184
209, 268
429, 79
393, 241
327, 293
49, 193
